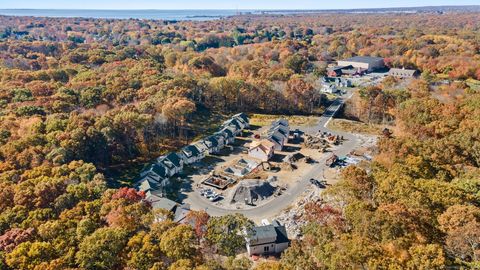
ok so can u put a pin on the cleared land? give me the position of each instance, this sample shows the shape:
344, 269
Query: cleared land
355, 127
294, 120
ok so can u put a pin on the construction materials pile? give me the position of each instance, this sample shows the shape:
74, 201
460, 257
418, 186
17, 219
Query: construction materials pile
315, 142
293, 218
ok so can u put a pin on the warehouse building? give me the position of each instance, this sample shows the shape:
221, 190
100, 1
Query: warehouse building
366, 63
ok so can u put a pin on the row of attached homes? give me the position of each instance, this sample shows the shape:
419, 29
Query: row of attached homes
155, 178
279, 133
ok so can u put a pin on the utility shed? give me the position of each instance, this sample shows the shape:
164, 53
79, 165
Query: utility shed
268, 239
367, 63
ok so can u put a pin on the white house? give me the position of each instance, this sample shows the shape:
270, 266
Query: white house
190, 154
262, 150
242, 117
329, 89
236, 123
221, 139
283, 130
268, 239
202, 148
212, 144
155, 172
229, 134
172, 163
154, 178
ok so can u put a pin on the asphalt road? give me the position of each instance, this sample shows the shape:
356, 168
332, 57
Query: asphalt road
276, 205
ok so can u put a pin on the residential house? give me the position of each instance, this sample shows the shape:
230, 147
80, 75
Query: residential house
202, 148
403, 73
221, 139
285, 130
281, 121
172, 162
179, 211
191, 154
339, 82
229, 134
242, 117
277, 140
239, 126
262, 150
153, 178
212, 144
268, 239
249, 164
236, 171
155, 172
329, 88
279, 133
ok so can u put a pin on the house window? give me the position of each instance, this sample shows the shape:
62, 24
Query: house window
266, 249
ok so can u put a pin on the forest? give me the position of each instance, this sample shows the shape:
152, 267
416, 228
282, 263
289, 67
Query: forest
80, 97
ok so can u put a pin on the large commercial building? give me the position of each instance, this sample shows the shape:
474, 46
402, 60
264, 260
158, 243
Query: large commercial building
366, 63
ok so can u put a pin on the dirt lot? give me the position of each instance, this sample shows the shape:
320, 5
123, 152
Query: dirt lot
282, 175
355, 127
294, 120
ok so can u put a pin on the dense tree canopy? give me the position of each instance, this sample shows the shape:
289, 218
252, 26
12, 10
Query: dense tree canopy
81, 99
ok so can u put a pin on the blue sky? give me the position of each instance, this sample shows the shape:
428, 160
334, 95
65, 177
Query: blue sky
222, 4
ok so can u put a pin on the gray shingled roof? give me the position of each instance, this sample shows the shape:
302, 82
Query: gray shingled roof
164, 203
260, 234
364, 59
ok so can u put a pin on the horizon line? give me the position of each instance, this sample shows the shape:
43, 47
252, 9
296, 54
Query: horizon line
236, 9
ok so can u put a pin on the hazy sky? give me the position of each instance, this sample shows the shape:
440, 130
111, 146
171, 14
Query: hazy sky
223, 4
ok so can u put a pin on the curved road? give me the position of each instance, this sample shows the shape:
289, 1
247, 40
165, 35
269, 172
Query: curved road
276, 205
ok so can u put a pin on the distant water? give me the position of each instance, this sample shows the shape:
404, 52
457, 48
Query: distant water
197, 15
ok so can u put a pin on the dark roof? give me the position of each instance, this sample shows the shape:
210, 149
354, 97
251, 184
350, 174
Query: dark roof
233, 122
278, 129
274, 138
213, 140
192, 150
280, 122
282, 236
364, 59
337, 68
243, 116
147, 184
219, 136
157, 169
260, 234
169, 161
227, 131
174, 158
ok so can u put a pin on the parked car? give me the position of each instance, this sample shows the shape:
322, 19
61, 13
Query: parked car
215, 198
317, 183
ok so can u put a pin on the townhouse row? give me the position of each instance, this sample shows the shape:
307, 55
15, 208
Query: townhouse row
155, 178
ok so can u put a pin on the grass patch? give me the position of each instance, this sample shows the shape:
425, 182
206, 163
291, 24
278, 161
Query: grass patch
355, 127
293, 120
474, 84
